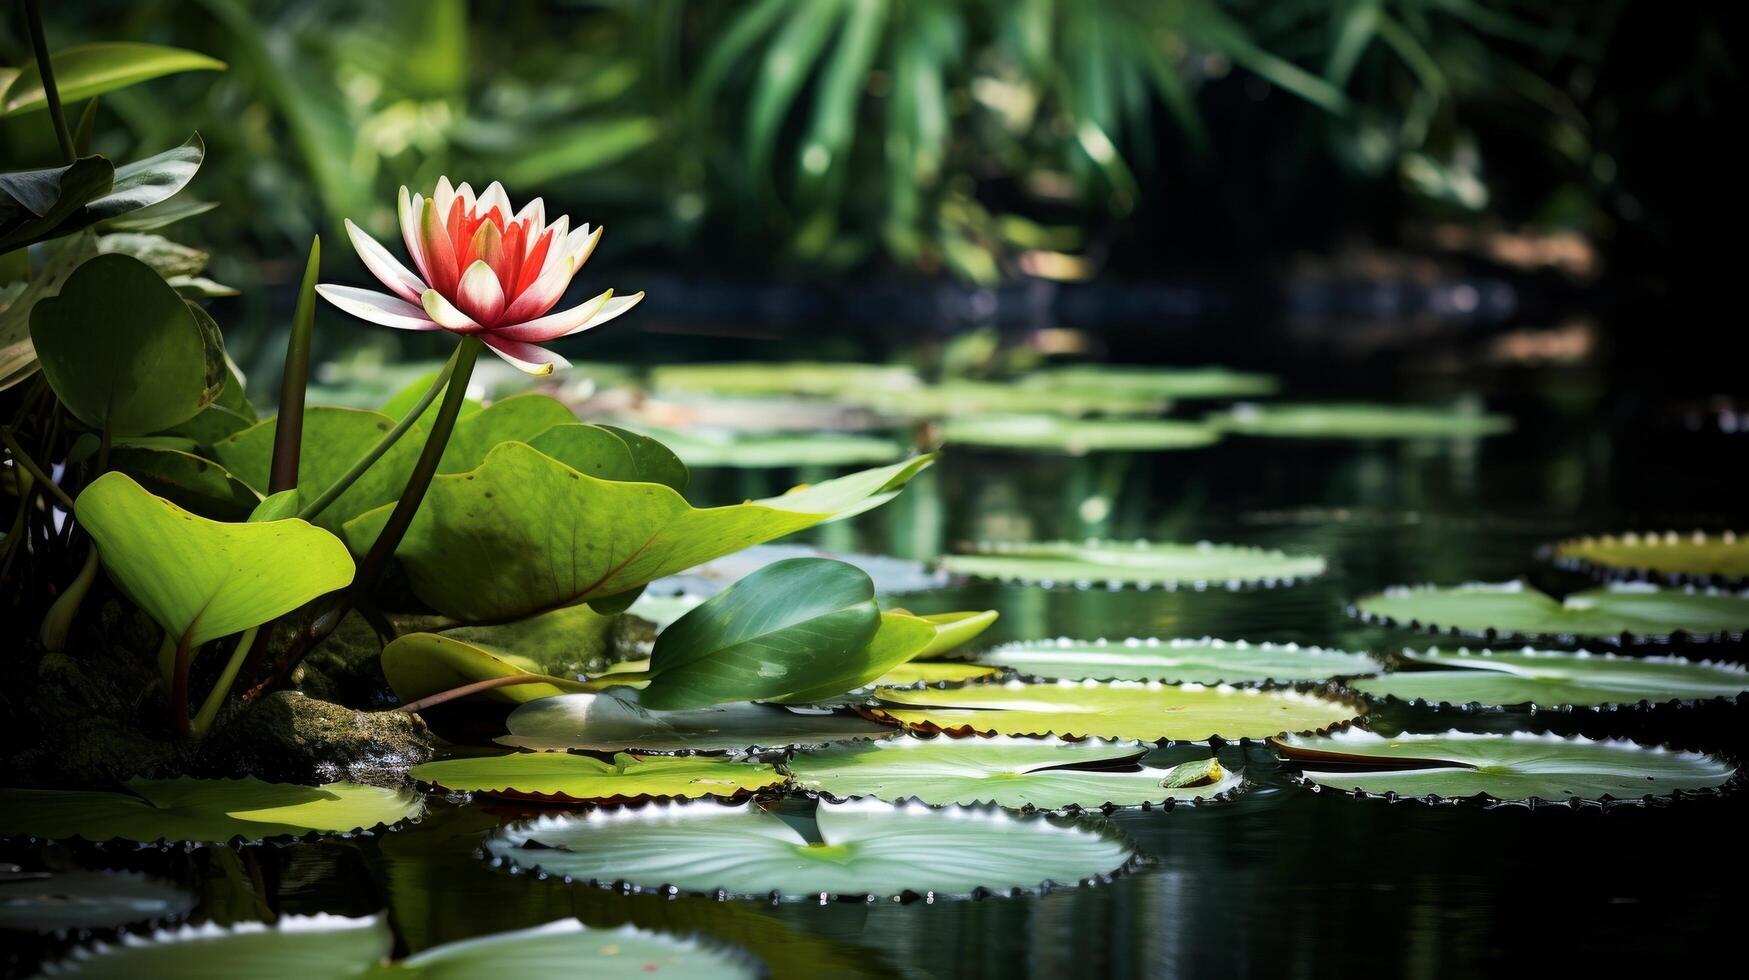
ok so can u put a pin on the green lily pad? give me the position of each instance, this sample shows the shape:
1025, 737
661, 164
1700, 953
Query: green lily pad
1357, 421
1622, 611
65, 900
1204, 661
1177, 384
334, 439
525, 532
1549, 678
960, 399
1019, 773
418, 665
122, 350
758, 378
1145, 711
567, 945
201, 579
566, 778
613, 721
934, 672
1141, 564
1076, 437
754, 450
204, 811
1678, 556
861, 848
188, 481
1519, 767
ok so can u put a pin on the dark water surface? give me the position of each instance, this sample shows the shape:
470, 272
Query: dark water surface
1281, 881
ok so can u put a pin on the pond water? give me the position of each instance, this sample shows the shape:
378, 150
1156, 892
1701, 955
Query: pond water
1281, 881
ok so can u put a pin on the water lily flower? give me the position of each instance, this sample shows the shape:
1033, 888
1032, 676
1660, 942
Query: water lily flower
482, 272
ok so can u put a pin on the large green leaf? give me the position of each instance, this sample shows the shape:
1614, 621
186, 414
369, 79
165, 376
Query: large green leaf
208, 811
861, 848
518, 419
1358, 421
1204, 661
563, 777
1175, 383
613, 721
826, 379
333, 440
79, 899
793, 625
202, 579
1696, 555
87, 70
143, 183
122, 350
1517, 767
1550, 678
1139, 563
524, 532
901, 638
1511, 609
188, 481
1076, 437
1146, 711
1019, 773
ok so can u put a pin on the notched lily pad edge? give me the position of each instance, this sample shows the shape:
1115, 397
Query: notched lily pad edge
1084, 824
465, 796
1611, 573
1532, 708
761, 753
1154, 642
1491, 635
133, 927
1320, 690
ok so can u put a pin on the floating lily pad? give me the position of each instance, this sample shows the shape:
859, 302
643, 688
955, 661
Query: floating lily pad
862, 848
1019, 773
891, 576
65, 900
613, 721
1076, 437
565, 778
960, 399
1178, 384
294, 948
750, 450
1146, 711
827, 379
208, 811
934, 672
1204, 661
1142, 564
1549, 678
568, 946
1696, 556
525, 533
1621, 611
1358, 421
1519, 767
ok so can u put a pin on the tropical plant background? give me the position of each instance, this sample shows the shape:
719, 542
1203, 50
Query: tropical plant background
980, 141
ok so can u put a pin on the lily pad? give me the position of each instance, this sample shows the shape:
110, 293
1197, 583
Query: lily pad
293, 948
757, 378
567, 945
861, 848
334, 439
1146, 711
1518, 767
1076, 437
1141, 563
65, 900
201, 579
1178, 384
1621, 611
1695, 556
960, 399
562, 777
1549, 678
934, 672
1283, 420
752, 450
613, 721
1018, 773
524, 532
204, 811
1204, 661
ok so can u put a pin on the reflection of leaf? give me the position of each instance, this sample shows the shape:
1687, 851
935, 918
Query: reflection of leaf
1519, 766
567, 778
70, 900
1511, 609
524, 532
1550, 678
86, 70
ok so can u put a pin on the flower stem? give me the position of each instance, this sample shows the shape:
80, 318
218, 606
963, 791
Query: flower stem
389, 438
288, 428
215, 699
33, 17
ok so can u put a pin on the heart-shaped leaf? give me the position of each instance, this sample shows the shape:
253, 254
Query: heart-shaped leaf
202, 579
124, 352
1630, 611
85, 70
563, 777
188, 481
524, 532
334, 439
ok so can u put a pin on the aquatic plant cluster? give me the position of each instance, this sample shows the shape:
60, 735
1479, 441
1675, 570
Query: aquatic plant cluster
794, 734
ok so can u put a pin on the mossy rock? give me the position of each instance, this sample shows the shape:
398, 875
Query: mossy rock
289, 736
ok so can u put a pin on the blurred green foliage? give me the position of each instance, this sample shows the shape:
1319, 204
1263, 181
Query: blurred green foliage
951, 136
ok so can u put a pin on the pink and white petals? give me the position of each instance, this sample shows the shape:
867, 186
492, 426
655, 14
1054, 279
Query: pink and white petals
382, 264
525, 357
378, 308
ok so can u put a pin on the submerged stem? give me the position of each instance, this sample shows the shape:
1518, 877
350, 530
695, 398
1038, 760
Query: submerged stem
382, 446
215, 699
33, 18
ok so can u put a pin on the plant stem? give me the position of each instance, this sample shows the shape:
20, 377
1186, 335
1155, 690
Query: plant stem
179, 686
509, 680
23, 459
59, 620
33, 17
288, 429
389, 439
215, 699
